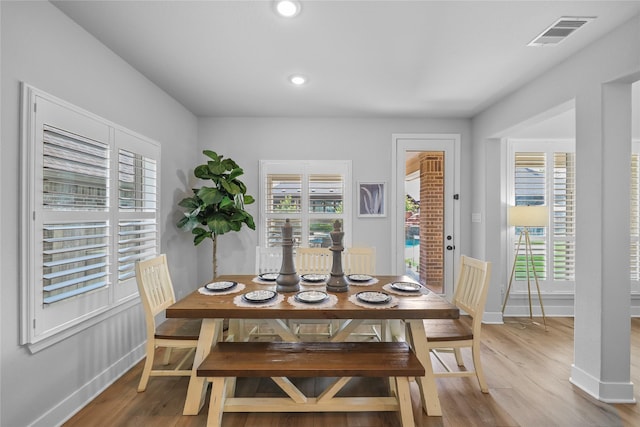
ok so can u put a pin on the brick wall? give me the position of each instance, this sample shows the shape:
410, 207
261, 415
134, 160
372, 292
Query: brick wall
432, 219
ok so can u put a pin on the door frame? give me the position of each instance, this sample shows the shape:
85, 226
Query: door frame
450, 143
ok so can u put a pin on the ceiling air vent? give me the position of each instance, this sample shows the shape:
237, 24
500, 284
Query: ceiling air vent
560, 30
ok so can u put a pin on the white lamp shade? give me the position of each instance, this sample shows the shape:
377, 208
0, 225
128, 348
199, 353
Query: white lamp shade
529, 216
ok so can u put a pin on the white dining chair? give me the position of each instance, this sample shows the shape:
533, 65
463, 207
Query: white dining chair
452, 335
362, 260
156, 293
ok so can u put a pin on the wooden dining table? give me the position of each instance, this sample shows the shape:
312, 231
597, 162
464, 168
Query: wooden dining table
405, 320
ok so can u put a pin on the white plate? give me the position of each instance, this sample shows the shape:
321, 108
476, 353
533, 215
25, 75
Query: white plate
220, 286
373, 297
406, 286
311, 297
359, 277
314, 278
269, 277
259, 296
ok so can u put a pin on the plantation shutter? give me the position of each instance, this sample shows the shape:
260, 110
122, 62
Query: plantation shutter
75, 177
530, 190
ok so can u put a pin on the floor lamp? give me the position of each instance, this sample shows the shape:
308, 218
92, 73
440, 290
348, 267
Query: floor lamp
525, 217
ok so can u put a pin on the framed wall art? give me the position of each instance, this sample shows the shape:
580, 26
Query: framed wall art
372, 199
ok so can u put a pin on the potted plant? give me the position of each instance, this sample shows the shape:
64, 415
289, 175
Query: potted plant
217, 209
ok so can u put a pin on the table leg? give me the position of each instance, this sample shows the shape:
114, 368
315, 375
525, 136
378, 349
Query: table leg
210, 334
417, 338
281, 328
346, 329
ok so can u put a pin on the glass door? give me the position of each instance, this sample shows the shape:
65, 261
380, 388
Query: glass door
426, 210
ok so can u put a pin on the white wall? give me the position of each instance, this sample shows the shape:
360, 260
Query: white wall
367, 142
42, 47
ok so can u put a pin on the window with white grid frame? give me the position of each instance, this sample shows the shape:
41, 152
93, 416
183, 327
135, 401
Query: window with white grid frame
543, 173
313, 194
91, 203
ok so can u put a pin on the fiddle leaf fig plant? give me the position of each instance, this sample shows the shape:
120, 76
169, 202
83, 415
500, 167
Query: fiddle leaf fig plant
219, 208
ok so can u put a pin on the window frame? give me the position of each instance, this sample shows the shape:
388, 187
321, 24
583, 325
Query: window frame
306, 168
44, 325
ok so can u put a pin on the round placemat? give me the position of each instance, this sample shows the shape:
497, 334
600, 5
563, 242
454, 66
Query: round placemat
354, 283
237, 300
329, 302
392, 290
392, 303
237, 288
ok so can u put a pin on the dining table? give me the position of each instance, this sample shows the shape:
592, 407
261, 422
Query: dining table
236, 298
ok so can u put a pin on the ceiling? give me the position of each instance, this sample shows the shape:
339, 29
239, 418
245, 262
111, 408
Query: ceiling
363, 58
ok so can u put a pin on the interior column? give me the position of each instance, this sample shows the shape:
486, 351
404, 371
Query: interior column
602, 296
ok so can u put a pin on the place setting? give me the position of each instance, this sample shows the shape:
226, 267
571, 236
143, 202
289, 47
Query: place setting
373, 299
266, 278
406, 288
221, 288
361, 279
312, 299
313, 279
260, 298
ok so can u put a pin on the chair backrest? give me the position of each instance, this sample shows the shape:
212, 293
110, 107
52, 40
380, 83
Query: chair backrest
313, 260
472, 288
268, 260
359, 260
155, 287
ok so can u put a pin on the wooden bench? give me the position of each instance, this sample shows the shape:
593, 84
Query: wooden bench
280, 360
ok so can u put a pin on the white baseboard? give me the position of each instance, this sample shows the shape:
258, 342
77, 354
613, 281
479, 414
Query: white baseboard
607, 392
69, 406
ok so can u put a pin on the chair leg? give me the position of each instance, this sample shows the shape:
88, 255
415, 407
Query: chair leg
167, 355
148, 364
477, 365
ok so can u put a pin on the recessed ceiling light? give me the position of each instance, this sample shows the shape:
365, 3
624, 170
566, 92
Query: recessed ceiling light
297, 79
287, 8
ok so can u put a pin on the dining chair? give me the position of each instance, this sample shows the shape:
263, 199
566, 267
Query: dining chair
452, 335
313, 261
156, 293
362, 260
359, 260
268, 260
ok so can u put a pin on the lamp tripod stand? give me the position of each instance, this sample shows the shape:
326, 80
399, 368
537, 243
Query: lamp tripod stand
528, 257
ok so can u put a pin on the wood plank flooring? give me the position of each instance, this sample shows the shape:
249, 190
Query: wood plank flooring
527, 370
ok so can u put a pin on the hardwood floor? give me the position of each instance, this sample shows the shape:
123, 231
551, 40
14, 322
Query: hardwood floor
527, 370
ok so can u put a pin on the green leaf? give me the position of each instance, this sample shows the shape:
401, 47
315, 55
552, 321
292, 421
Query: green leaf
229, 164
219, 224
216, 168
248, 199
189, 203
250, 223
199, 231
202, 172
212, 155
230, 187
199, 239
210, 196
188, 223
226, 201
235, 173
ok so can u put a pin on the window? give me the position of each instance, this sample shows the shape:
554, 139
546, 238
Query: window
543, 173
90, 212
312, 194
